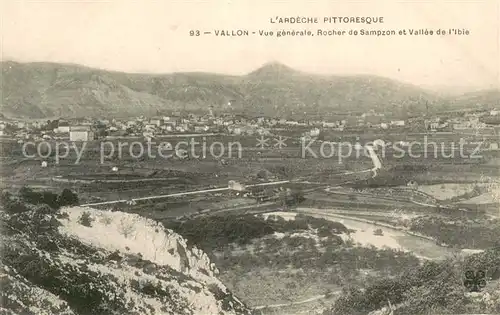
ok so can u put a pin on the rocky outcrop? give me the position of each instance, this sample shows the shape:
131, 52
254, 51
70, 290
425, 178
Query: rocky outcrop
86, 261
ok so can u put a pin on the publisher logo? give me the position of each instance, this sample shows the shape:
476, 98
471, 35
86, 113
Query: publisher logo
475, 280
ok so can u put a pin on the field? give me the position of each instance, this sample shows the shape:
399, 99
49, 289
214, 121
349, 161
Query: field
296, 268
98, 174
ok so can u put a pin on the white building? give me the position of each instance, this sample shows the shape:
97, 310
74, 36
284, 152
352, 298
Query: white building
62, 129
237, 130
201, 128
156, 121
263, 132
81, 133
234, 185
150, 127
398, 123
314, 132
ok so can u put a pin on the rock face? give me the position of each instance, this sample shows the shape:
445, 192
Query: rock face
114, 263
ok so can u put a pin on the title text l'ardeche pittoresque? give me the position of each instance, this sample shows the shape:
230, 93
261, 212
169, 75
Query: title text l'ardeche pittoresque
327, 19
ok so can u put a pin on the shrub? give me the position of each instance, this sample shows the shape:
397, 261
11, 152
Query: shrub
324, 232
85, 291
295, 198
85, 219
67, 198
49, 199
106, 220
126, 228
28, 195
216, 232
32, 222
63, 215
14, 206
5, 197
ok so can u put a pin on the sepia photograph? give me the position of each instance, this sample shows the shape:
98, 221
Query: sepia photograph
227, 157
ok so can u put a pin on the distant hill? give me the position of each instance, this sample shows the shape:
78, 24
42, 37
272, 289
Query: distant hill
45, 90
484, 99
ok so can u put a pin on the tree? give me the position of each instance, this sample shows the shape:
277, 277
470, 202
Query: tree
321, 136
13, 205
5, 197
67, 198
86, 219
49, 199
27, 194
295, 197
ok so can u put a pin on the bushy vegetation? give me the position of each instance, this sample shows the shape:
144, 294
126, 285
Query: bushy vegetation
13, 204
331, 255
26, 197
459, 232
217, 232
434, 287
67, 198
17, 292
246, 244
476, 191
37, 222
378, 232
32, 251
86, 219
76, 285
35, 251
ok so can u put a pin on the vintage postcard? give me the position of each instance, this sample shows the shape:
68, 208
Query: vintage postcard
258, 157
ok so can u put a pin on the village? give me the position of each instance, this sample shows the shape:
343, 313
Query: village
88, 129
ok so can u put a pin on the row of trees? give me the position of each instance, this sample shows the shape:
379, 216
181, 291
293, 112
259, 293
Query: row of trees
27, 196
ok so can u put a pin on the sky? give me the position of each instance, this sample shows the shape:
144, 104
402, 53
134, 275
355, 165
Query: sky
153, 36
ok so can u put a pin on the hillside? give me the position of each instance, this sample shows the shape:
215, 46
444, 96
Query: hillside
84, 261
46, 90
480, 99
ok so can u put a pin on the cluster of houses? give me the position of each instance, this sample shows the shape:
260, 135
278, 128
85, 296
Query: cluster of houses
469, 121
90, 129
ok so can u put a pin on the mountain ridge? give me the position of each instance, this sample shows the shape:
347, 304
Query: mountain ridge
44, 90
